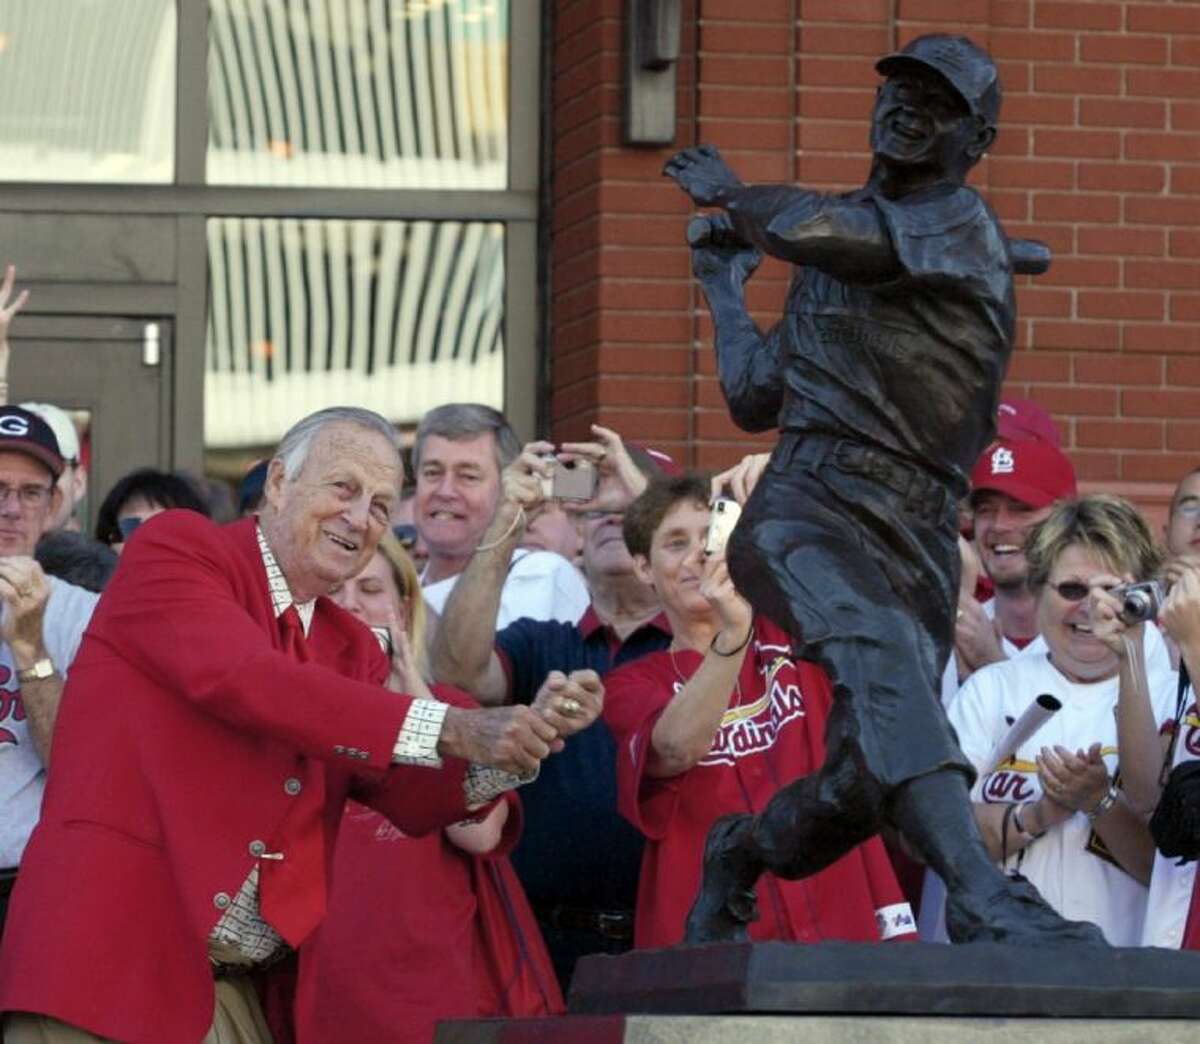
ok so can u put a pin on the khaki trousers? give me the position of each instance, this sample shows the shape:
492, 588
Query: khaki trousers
237, 1019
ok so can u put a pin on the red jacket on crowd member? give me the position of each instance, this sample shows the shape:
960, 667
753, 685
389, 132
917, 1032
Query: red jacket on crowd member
185, 735
772, 733
419, 930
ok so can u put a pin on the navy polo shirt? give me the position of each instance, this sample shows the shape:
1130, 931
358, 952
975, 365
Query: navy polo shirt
576, 849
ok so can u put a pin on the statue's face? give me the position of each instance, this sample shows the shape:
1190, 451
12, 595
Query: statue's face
920, 121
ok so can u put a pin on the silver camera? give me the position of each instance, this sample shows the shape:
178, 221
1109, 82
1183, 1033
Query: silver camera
571, 479
1140, 601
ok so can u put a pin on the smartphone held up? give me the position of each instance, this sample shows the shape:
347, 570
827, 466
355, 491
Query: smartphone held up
725, 515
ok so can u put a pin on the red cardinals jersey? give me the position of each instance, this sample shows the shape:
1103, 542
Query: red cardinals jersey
772, 733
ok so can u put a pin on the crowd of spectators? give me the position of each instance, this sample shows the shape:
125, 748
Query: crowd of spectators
637, 699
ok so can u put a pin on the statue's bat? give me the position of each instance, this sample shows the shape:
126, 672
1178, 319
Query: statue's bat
1029, 256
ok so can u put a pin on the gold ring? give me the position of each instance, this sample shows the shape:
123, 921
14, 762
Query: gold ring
569, 708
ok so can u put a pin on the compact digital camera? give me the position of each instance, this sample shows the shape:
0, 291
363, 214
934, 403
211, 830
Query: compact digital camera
571, 480
725, 515
1139, 601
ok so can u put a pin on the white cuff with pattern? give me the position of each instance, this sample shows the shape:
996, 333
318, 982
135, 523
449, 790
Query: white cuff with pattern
483, 783
418, 739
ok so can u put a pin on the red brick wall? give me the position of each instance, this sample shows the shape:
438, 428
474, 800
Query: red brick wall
1099, 154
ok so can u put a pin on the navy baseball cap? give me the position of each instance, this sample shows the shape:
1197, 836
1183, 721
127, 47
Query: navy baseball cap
25, 432
968, 68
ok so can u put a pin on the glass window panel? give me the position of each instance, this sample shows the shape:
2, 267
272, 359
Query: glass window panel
358, 93
397, 316
88, 89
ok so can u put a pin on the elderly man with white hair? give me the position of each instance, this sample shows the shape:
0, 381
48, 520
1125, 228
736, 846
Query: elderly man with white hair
220, 712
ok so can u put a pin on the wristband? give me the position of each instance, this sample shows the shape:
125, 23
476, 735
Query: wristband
1020, 825
518, 518
1104, 804
732, 652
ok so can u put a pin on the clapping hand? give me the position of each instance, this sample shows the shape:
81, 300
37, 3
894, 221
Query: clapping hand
1075, 781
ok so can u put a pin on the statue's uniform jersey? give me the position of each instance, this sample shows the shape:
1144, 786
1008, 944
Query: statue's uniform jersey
771, 732
849, 541
912, 366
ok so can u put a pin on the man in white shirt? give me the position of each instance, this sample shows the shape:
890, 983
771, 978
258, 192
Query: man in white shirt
43, 620
459, 453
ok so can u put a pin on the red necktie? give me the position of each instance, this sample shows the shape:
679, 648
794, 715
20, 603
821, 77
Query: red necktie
292, 889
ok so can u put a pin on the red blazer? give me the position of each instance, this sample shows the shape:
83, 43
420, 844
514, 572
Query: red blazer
182, 733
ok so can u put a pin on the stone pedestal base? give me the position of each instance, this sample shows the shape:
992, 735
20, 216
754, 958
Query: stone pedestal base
811, 1029
852, 993
986, 979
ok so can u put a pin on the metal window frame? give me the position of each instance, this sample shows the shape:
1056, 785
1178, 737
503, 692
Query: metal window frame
190, 202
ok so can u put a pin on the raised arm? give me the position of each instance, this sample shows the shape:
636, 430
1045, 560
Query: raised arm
463, 653
685, 730
845, 238
8, 309
1137, 731
747, 360
25, 592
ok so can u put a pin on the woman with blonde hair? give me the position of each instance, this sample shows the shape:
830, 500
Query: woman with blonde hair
419, 929
1056, 810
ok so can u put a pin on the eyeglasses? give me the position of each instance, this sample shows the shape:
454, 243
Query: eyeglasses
29, 496
1077, 590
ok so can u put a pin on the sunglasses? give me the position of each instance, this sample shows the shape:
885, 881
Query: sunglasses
1076, 590
406, 534
126, 526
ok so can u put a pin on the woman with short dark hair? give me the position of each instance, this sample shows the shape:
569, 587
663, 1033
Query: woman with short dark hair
713, 727
139, 496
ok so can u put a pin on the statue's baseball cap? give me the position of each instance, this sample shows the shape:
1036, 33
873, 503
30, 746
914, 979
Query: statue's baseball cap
1033, 471
26, 432
968, 68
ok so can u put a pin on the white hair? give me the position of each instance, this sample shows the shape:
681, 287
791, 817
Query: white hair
297, 441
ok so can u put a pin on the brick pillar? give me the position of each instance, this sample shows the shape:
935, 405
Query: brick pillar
621, 286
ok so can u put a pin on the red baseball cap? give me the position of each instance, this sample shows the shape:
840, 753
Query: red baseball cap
664, 462
1033, 471
1025, 419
